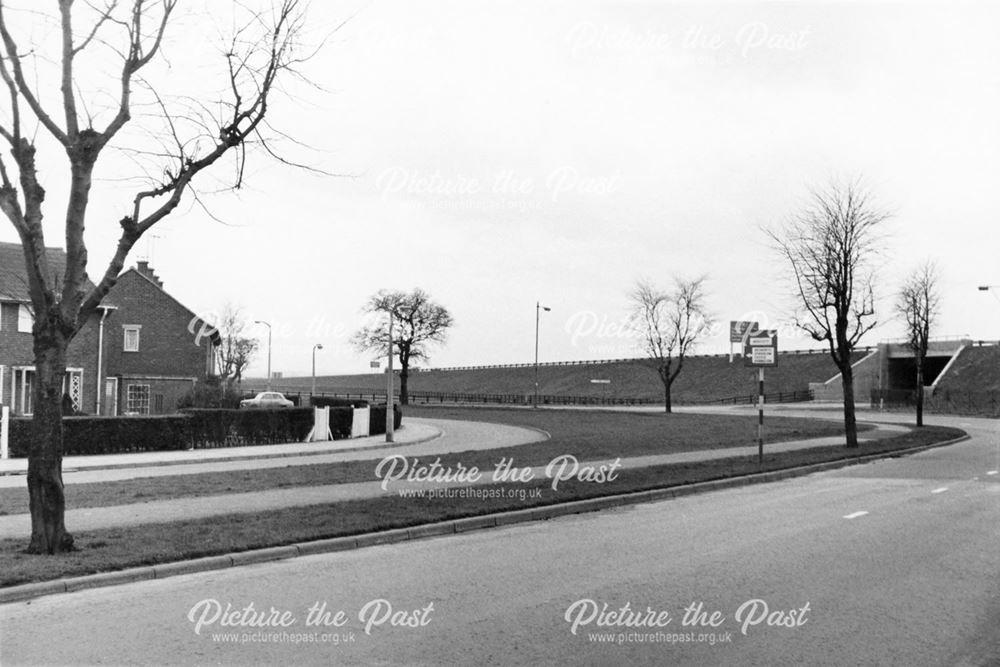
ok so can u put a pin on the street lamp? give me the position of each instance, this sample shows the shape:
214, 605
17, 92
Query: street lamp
317, 346
268, 325
987, 288
390, 409
538, 310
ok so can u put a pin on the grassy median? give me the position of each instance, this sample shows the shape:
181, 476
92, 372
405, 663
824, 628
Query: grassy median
119, 548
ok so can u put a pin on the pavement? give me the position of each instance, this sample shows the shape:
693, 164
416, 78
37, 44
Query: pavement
418, 438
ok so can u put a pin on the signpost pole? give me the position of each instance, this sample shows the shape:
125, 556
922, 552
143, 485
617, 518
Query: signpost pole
760, 417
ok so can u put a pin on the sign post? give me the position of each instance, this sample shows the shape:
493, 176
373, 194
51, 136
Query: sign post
760, 349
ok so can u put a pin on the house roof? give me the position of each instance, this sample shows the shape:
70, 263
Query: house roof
214, 336
14, 277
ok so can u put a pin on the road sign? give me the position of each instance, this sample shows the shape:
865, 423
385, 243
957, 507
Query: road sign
737, 330
761, 348
375, 364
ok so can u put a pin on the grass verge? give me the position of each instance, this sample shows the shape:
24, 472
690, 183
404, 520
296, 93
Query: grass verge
120, 548
589, 435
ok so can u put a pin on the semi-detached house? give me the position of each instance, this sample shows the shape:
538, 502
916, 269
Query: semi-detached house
139, 354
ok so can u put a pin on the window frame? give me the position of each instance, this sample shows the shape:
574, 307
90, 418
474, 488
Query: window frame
128, 329
131, 406
24, 318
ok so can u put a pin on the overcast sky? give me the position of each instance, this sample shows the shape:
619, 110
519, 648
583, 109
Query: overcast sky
501, 153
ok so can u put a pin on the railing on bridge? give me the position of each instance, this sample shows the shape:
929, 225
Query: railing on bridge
300, 397
952, 401
798, 396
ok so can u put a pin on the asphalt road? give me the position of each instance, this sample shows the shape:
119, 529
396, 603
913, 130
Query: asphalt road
890, 563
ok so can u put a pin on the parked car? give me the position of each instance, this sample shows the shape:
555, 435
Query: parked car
267, 399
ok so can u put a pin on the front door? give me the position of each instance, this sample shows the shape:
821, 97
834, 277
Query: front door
109, 406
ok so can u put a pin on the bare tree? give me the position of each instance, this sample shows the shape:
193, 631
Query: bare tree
830, 247
193, 135
417, 322
670, 325
236, 350
918, 304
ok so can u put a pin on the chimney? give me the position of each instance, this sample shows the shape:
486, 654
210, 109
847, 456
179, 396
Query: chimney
142, 266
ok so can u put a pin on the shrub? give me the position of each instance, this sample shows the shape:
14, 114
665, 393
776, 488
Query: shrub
333, 402
377, 419
210, 395
194, 428
218, 427
109, 435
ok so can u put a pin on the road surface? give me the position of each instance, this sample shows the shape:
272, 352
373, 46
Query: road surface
890, 563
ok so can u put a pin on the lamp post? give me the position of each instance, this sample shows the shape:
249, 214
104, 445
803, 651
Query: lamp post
268, 325
390, 411
538, 311
317, 346
987, 288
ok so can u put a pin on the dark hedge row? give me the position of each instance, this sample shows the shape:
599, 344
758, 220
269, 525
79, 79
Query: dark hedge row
193, 429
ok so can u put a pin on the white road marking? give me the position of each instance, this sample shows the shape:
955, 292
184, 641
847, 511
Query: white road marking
855, 515
940, 490
992, 472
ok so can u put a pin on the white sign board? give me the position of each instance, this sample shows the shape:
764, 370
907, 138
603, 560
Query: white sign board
761, 349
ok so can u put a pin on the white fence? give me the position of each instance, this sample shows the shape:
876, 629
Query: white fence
4, 432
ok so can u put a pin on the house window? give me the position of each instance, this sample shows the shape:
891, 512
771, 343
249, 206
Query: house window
137, 399
24, 319
132, 337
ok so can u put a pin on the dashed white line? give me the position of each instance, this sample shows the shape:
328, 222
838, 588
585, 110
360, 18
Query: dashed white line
854, 515
940, 489
991, 472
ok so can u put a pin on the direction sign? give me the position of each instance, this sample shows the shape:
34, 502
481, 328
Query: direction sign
761, 348
737, 330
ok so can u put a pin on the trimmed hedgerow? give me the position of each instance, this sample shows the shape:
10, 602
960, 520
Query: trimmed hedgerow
109, 435
220, 427
334, 402
376, 422
194, 428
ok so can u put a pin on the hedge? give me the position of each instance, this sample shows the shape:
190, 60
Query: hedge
193, 429
334, 402
109, 435
221, 427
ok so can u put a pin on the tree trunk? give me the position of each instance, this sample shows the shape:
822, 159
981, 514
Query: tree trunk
404, 394
667, 407
850, 421
47, 501
920, 391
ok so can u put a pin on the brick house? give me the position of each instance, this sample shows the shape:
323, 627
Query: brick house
139, 353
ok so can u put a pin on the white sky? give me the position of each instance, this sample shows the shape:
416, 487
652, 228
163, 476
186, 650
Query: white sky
502, 153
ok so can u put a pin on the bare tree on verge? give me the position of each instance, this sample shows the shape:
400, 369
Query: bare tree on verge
417, 322
669, 325
236, 350
53, 100
830, 247
918, 304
